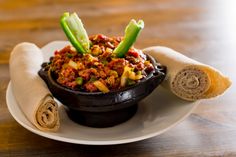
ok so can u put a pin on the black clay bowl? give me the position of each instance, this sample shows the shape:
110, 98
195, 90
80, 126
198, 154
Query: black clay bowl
103, 109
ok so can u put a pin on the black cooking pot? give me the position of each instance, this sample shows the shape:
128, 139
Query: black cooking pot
99, 109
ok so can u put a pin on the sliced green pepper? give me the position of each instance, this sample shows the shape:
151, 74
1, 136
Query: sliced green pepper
75, 32
131, 33
79, 80
130, 82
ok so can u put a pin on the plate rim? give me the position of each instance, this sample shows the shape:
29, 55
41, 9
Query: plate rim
89, 142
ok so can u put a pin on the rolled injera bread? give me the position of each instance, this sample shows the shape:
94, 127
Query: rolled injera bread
30, 91
188, 78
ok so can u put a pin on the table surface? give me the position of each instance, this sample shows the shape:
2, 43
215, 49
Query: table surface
201, 29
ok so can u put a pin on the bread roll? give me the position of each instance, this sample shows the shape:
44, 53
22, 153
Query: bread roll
188, 78
30, 91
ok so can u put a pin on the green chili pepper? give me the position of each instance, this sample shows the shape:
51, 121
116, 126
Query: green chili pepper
79, 80
130, 82
92, 79
75, 32
132, 31
69, 55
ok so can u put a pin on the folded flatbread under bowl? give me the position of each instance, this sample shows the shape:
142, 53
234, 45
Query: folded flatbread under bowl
187, 78
30, 90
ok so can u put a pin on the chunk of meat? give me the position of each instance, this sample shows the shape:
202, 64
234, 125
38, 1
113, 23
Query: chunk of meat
118, 65
87, 73
89, 86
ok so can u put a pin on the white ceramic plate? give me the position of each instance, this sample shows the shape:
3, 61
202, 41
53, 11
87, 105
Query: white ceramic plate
156, 114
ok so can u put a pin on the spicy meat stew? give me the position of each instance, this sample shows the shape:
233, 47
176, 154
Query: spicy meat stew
100, 69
